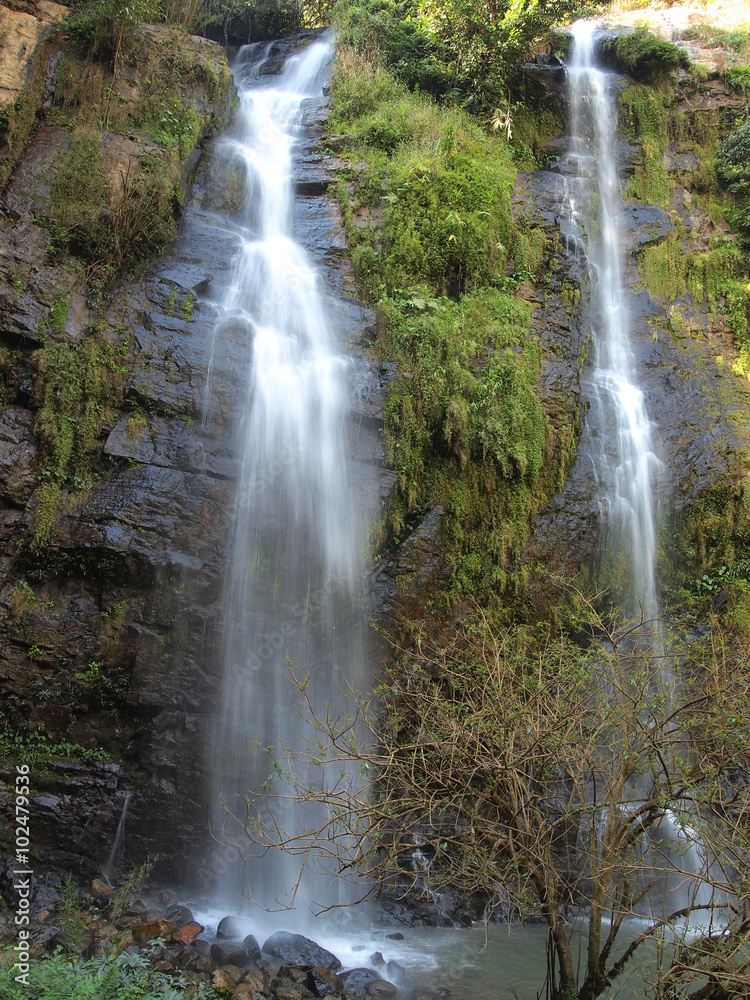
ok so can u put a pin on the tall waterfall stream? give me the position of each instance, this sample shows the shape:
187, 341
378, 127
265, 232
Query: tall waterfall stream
292, 590
618, 433
618, 436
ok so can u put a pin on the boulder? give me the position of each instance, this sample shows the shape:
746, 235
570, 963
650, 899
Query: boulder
357, 980
294, 949
180, 915
323, 982
380, 989
230, 929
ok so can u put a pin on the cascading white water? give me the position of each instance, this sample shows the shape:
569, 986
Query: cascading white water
117, 851
292, 584
618, 433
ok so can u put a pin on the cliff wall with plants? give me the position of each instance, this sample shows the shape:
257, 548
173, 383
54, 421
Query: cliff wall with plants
105, 131
454, 226
441, 166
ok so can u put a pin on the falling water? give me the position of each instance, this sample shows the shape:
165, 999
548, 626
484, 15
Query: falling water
117, 851
291, 589
618, 435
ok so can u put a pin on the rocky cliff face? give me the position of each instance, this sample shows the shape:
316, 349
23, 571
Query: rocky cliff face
683, 345
107, 610
110, 620
114, 515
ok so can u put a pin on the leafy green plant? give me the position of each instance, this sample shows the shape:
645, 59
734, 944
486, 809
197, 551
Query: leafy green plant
641, 54
74, 389
34, 745
91, 673
59, 313
22, 596
127, 977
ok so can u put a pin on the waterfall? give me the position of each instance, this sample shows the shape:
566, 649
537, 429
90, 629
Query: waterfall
117, 851
292, 586
618, 437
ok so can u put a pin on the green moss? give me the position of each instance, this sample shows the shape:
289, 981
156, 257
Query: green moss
427, 213
707, 536
119, 231
79, 194
643, 116
8, 374
528, 251
662, 268
75, 388
641, 54
59, 313
464, 425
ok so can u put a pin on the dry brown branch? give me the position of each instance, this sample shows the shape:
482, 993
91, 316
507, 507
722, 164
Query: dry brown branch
515, 764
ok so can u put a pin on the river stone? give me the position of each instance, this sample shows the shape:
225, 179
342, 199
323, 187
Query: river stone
222, 980
298, 950
236, 955
150, 929
324, 982
394, 971
291, 991
181, 915
254, 979
244, 991
230, 927
356, 981
251, 947
380, 988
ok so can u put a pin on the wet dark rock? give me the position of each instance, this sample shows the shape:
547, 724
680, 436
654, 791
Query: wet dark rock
380, 988
356, 981
178, 914
394, 971
295, 949
18, 452
377, 959
395, 936
201, 963
251, 947
150, 929
230, 928
322, 982
231, 955
403, 582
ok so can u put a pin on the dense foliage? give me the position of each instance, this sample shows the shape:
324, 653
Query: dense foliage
127, 977
435, 248
642, 55
464, 50
539, 776
733, 163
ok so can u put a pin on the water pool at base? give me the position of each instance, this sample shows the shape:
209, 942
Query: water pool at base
472, 963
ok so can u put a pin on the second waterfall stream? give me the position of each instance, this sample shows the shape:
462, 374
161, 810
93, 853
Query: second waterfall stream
293, 584
618, 433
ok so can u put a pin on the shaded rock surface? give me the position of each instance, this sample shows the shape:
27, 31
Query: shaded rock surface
695, 404
295, 949
118, 618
